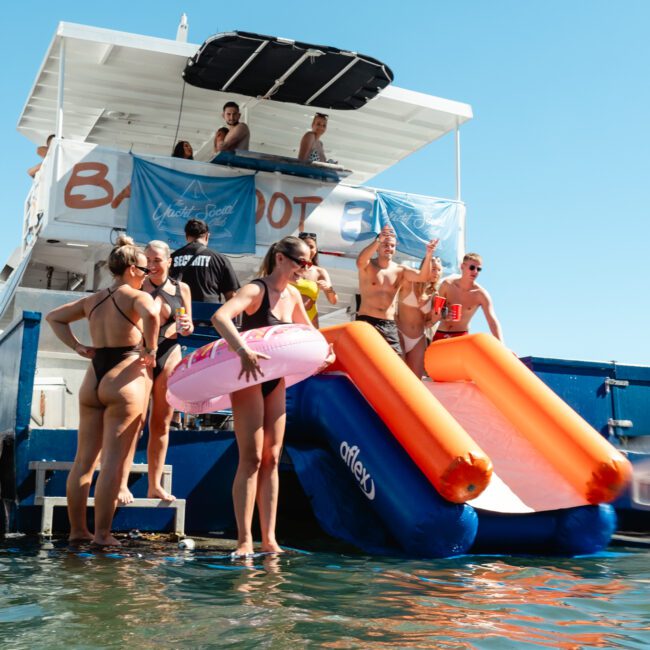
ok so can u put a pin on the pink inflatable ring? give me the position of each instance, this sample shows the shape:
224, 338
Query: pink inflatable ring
202, 381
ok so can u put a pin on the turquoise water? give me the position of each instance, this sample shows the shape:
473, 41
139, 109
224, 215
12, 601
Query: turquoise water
150, 596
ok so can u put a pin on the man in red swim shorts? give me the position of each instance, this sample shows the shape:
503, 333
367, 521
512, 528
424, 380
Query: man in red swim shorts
470, 295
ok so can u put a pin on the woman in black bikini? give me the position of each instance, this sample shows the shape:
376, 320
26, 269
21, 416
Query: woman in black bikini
123, 323
169, 296
259, 411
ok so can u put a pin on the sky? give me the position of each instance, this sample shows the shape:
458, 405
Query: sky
555, 163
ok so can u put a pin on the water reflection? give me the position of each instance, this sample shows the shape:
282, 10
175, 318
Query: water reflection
163, 597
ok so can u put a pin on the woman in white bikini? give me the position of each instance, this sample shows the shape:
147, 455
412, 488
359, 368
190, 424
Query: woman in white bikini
415, 313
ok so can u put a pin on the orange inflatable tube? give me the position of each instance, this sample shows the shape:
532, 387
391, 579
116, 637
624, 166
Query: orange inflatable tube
596, 469
438, 445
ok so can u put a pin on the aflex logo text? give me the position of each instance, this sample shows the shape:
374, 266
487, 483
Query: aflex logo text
349, 456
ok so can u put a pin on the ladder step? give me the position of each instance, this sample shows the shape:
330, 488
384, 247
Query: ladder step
136, 468
136, 503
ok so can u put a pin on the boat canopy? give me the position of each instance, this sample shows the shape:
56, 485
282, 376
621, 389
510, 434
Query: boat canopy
267, 67
124, 91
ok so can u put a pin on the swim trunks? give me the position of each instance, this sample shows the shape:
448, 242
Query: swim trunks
439, 336
387, 328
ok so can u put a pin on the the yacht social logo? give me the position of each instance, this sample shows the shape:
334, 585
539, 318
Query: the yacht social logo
349, 455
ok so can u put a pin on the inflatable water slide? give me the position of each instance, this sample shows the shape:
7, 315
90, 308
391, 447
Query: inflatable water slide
483, 458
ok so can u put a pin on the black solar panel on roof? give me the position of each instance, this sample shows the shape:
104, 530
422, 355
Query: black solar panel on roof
250, 64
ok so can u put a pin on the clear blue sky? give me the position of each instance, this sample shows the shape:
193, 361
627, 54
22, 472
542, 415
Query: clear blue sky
555, 161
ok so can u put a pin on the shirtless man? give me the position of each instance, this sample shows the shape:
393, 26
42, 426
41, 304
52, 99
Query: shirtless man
379, 281
466, 292
237, 135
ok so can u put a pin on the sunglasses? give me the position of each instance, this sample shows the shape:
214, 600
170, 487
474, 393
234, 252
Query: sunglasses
307, 235
473, 267
144, 269
303, 264
325, 115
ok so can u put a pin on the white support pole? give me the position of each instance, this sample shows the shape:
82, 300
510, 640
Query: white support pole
457, 138
59, 99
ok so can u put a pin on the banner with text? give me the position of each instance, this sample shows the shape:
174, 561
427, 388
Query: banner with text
163, 200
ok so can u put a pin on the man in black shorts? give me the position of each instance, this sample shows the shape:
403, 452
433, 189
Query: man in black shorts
208, 273
379, 281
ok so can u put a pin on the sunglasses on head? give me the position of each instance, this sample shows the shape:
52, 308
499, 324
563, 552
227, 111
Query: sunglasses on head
144, 269
325, 115
307, 235
474, 267
303, 264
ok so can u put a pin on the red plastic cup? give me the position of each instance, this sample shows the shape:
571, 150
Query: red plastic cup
455, 312
438, 303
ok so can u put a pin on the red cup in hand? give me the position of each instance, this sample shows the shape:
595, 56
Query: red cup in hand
455, 312
438, 304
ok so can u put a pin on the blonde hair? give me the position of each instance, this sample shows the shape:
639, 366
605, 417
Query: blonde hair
430, 288
473, 257
160, 245
124, 254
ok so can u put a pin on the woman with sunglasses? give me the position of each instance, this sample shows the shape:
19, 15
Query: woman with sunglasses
311, 148
174, 302
259, 411
469, 295
314, 280
123, 323
415, 313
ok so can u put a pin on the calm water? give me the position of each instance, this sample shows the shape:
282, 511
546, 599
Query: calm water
151, 596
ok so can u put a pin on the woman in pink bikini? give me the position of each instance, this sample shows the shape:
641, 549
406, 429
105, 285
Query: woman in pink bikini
415, 313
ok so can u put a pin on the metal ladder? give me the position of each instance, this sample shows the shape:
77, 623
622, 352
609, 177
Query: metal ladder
48, 503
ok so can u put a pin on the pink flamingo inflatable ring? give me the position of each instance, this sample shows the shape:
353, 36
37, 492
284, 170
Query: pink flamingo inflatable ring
202, 381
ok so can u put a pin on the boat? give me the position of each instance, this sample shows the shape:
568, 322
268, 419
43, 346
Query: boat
117, 103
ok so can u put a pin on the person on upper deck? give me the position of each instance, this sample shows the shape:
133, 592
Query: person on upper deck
183, 149
42, 152
311, 146
470, 295
207, 273
123, 323
236, 135
379, 281
313, 280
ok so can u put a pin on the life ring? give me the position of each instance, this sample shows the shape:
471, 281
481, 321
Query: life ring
202, 381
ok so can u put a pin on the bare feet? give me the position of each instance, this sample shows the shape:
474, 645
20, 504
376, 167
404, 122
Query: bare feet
106, 540
80, 536
124, 496
243, 550
159, 493
272, 547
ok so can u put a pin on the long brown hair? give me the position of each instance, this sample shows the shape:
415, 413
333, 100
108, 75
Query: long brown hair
289, 246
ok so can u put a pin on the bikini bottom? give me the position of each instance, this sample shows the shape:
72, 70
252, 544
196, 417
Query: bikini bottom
106, 359
410, 343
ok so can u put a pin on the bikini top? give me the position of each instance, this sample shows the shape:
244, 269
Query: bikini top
110, 295
263, 316
173, 300
412, 301
308, 288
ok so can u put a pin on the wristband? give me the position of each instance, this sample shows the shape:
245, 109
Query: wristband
150, 350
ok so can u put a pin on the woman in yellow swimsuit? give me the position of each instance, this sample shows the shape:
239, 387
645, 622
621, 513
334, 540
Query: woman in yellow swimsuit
415, 313
314, 280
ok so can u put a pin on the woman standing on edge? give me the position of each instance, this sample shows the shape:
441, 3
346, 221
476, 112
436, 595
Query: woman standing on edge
259, 411
113, 397
314, 280
170, 297
415, 313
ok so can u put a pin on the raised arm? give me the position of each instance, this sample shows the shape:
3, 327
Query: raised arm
423, 273
364, 257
